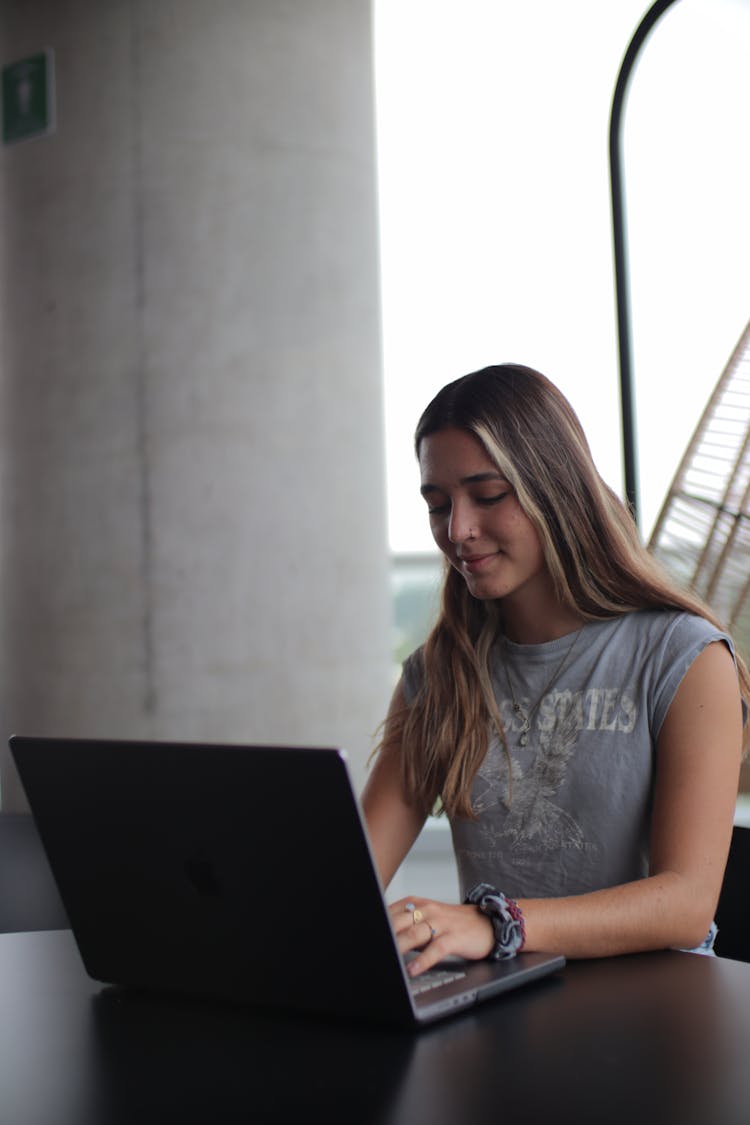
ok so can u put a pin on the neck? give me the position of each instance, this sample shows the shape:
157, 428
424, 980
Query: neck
535, 628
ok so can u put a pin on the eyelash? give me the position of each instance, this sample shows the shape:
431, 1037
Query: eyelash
484, 501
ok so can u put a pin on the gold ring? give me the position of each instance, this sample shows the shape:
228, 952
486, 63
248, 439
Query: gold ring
417, 916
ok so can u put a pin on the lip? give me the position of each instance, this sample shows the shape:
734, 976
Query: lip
472, 563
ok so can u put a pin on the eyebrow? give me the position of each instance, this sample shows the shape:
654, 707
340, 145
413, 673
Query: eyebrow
476, 478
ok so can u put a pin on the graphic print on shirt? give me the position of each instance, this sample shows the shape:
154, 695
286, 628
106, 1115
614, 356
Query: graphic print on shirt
532, 816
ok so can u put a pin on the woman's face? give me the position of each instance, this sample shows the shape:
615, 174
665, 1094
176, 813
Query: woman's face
477, 521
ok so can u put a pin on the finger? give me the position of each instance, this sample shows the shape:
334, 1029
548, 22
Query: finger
407, 912
429, 956
466, 933
405, 905
401, 918
416, 936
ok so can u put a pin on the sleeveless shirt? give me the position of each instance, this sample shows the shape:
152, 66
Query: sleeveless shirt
577, 815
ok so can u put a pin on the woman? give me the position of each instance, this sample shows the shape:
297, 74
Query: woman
576, 715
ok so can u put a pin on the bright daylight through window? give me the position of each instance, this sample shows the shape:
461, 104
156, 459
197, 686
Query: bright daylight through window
496, 238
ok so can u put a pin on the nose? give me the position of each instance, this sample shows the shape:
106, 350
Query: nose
459, 526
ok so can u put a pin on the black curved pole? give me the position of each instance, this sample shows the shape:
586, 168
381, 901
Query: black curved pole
627, 400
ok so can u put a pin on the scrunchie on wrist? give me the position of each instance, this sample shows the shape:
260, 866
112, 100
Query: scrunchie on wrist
506, 917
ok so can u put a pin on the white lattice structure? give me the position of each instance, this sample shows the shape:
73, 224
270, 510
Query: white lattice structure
702, 533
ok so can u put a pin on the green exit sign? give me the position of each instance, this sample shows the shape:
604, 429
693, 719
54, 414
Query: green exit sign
28, 97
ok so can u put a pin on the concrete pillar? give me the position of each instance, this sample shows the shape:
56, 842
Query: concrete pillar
193, 538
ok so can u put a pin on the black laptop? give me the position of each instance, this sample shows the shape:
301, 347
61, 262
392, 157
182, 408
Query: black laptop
235, 872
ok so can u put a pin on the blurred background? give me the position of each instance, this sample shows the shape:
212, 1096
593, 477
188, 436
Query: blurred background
247, 243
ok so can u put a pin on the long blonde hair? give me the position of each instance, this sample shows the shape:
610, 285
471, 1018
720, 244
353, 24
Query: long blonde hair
591, 547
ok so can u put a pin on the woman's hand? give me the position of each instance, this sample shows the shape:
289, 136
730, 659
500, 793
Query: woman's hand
438, 929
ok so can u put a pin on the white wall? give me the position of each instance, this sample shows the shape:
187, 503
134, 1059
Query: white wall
193, 527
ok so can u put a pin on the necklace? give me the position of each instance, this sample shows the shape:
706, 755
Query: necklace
527, 716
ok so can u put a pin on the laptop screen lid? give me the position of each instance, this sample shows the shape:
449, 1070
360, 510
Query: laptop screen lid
236, 872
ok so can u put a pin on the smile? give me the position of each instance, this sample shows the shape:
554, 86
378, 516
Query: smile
473, 563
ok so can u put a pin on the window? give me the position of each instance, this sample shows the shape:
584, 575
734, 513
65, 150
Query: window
493, 122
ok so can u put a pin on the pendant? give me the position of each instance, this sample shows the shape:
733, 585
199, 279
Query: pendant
524, 739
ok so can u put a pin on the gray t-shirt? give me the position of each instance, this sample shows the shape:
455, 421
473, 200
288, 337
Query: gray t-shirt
579, 815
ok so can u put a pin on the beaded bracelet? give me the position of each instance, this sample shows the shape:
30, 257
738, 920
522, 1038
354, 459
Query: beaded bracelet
505, 915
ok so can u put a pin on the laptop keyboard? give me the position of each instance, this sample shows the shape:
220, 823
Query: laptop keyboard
433, 978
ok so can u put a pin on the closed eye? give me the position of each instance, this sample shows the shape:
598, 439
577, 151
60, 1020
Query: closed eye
483, 501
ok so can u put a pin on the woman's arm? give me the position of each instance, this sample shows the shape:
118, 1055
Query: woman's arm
393, 824
698, 761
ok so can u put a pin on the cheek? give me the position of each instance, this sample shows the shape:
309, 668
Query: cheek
532, 545
439, 531
521, 528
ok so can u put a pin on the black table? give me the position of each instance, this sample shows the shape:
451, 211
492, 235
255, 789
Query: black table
661, 1037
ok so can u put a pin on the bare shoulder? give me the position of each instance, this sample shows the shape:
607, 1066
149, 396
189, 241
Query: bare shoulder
392, 821
709, 695
384, 780
698, 763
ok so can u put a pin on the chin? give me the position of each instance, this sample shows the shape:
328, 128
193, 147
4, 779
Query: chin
484, 592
